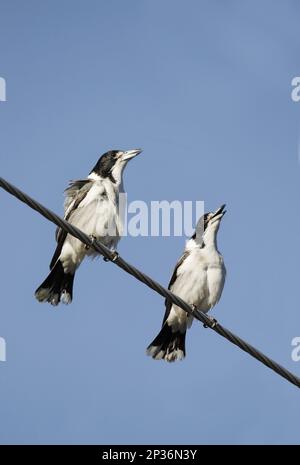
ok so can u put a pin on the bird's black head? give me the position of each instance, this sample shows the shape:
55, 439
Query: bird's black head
105, 163
111, 164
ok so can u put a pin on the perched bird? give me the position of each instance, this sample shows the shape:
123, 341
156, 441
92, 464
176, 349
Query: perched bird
92, 205
198, 279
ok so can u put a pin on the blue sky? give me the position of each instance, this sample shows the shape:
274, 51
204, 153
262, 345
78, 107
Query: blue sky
204, 87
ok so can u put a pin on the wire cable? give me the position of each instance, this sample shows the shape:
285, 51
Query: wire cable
139, 275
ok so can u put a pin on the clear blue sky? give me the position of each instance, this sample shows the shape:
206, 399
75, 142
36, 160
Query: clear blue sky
204, 87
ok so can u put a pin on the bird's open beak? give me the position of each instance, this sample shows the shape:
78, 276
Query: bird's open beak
131, 154
219, 213
220, 210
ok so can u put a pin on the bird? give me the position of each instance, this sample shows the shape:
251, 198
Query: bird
198, 279
92, 205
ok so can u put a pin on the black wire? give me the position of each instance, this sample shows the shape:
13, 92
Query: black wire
120, 262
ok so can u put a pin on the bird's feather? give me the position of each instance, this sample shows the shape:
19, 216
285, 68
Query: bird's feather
168, 303
75, 193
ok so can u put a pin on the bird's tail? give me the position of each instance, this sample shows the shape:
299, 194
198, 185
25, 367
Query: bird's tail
167, 345
57, 287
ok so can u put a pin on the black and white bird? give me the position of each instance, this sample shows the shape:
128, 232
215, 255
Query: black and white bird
198, 279
92, 205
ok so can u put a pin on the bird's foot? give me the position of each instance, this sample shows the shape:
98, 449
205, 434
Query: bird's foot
213, 322
114, 257
93, 239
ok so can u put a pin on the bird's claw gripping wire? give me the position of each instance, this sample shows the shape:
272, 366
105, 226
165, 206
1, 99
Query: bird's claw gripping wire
115, 254
114, 257
212, 321
212, 324
93, 239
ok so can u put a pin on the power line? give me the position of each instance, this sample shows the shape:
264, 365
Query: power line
121, 263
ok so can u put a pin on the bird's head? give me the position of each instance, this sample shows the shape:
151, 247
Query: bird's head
208, 226
112, 163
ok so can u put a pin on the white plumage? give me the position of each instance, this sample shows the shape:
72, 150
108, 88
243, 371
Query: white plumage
98, 216
198, 279
92, 205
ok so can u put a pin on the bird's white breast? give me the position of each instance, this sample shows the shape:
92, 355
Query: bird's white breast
97, 216
200, 280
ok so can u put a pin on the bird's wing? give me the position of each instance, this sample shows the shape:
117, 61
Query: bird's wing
168, 303
75, 193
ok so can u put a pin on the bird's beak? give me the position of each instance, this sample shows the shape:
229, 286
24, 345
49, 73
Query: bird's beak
219, 213
220, 210
131, 154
